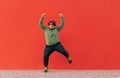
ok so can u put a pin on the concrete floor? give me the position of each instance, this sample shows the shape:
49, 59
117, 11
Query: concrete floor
60, 74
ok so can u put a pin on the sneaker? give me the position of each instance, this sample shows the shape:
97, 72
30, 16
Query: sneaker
69, 60
45, 69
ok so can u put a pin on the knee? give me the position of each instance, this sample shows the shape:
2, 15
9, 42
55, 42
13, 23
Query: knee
46, 54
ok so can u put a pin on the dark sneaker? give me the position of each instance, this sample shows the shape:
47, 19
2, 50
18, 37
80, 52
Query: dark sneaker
69, 60
45, 69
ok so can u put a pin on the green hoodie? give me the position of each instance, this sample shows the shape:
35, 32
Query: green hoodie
51, 35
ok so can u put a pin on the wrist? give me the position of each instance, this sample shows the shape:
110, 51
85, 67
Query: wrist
61, 17
42, 17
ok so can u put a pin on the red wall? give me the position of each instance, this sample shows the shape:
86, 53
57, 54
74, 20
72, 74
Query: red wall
91, 33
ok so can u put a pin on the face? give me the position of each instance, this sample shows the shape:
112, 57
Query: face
51, 26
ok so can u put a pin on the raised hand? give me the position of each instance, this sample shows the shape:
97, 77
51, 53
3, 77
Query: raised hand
61, 15
44, 15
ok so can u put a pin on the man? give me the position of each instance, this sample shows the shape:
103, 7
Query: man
52, 41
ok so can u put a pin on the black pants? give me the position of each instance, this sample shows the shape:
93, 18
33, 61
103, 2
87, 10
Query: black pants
50, 49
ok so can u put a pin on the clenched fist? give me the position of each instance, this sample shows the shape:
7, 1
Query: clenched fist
61, 15
44, 15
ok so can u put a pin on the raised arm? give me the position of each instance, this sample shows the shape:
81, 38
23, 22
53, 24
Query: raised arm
41, 21
62, 22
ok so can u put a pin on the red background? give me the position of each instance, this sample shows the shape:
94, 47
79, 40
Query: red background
91, 33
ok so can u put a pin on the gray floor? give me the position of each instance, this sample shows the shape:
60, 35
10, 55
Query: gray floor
60, 74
